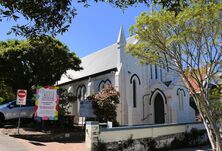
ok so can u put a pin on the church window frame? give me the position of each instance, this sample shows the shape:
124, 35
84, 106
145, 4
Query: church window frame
135, 82
181, 94
156, 72
161, 74
151, 71
81, 92
103, 83
134, 93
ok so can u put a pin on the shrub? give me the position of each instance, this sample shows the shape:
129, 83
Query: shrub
105, 104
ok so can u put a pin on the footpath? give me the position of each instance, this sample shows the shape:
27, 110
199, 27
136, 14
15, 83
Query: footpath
11, 144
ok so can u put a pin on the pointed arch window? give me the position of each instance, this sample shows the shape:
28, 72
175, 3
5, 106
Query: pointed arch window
161, 74
180, 101
162, 67
134, 93
81, 92
156, 72
181, 94
151, 71
135, 81
103, 83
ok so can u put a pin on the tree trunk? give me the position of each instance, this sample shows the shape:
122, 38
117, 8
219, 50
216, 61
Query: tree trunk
210, 125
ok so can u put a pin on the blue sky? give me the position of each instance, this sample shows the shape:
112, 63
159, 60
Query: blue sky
93, 28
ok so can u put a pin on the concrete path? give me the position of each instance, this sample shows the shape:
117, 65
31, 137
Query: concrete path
52, 146
8, 143
11, 144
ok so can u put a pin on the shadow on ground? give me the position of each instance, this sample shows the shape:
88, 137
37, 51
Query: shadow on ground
37, 133
72, 137
37, 144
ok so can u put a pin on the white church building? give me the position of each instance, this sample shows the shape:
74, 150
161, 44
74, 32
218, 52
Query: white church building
149, 94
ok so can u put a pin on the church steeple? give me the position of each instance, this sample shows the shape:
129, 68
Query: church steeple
121, 38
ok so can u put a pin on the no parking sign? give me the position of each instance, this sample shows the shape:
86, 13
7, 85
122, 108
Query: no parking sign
21, 97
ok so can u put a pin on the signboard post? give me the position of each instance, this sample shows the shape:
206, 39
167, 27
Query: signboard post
21, 100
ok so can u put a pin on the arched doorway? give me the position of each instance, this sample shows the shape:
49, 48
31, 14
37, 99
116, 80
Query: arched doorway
159, 109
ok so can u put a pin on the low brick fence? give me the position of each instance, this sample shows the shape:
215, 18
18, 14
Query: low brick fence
142, 137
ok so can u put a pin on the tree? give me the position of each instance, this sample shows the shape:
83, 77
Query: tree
65, 100
105, 104
216, 100
36, 61
42, 16
55, 16
6, 93
190, 41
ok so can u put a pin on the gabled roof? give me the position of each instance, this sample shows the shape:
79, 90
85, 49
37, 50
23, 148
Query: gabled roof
100, 61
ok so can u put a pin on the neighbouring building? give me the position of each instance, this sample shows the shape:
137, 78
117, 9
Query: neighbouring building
213, 83
149, 94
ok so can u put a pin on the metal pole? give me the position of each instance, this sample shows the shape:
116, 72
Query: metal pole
82, 123
19, 120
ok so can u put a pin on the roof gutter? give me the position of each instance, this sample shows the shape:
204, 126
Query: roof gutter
86, 77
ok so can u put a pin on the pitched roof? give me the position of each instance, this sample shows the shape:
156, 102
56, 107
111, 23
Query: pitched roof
194, 84
102, 60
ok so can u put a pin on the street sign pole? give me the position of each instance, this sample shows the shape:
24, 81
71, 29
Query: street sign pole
21, 100
19, 120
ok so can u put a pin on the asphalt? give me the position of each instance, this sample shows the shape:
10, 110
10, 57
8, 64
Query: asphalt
10, 144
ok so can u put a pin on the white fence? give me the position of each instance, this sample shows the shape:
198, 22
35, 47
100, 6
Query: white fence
108, 135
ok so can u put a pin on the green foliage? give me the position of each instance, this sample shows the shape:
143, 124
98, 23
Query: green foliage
191, 139
163, 33
172, 5
42, 17
148, 144
105, 104
65, 100
188, 43
36, 61
216, 101
55, 16
99, 146
6, 93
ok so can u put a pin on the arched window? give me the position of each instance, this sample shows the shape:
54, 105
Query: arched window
180, 101
161, 74
162, 67
134, 93
151, 71
156, 72
135, 81
181, 94
103, 83
81, 92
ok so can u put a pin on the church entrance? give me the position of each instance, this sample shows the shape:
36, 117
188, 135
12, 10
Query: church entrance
159, 109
